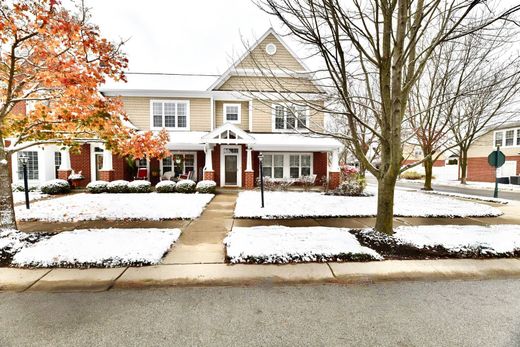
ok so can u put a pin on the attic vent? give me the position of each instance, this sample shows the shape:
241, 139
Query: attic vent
270, 48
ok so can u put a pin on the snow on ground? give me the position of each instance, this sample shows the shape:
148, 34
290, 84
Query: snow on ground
146, 206
489, 240
469, 197
19, 197
476, 185
12, 241
99, 248
279, 244
306, 204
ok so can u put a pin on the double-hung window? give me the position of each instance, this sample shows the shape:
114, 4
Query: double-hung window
273, 165
518, 137
170, 114
510, 137
499, 137
32, 165
57, 162
290, 117
180, 163
232, 113
299, 165
287, 165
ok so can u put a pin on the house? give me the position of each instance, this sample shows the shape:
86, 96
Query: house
507, 136
217, 131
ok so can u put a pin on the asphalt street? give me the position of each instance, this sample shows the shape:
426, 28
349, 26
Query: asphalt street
456, 313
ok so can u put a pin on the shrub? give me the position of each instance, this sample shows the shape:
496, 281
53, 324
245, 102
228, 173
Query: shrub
353, 187
97, 187
275, 184
139, 186
209, 187
307, 182
53, 187
76, 176
19, 187
119, 186
165, 187
185, 186
411, 175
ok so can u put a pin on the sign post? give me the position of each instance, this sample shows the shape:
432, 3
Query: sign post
496, 159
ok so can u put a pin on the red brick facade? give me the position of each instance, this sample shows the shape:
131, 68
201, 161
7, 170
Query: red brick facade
334, 178
480, 170
106, 175
249, 179
81, 162
209, 175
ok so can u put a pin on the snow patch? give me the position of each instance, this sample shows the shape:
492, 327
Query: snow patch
99, 248
308, 204
279, 244
119, 206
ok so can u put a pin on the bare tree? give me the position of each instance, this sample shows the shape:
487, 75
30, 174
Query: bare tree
385, 47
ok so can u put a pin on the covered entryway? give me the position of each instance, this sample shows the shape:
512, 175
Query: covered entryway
230, 166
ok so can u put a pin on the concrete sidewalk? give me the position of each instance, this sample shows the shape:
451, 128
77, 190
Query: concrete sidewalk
69, 280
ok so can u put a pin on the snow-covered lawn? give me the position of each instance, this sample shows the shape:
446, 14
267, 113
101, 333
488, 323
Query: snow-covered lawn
469, 197
99, 248
19, 197
501, 240
280, 205
279, 244
476, 185
81, 207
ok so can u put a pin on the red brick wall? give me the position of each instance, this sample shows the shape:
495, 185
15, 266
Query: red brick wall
319, 166
81, 162
480, 170
216, 163
201, 161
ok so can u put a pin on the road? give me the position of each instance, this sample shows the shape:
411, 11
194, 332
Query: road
457, 313
511, 195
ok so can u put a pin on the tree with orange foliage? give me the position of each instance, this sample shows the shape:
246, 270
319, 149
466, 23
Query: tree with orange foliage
54, 60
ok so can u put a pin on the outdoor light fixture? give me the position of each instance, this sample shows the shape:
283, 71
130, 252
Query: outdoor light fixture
24, 159
261, 159
177, 159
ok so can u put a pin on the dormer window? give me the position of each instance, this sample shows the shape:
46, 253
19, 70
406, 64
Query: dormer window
232, 113
290, 117
170, 114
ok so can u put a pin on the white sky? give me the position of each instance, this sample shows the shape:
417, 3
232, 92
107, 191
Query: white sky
181, 36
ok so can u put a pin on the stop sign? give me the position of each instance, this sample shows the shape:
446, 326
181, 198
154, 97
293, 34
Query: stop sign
496, 158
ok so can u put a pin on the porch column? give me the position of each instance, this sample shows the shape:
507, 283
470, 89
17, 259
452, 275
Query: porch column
65, 169
209, 174
334, 174
107, 171
249, 174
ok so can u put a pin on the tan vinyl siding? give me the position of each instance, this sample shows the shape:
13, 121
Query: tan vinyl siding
138, 111
282, 59
244, 113
263, 117
266, 84
484, 145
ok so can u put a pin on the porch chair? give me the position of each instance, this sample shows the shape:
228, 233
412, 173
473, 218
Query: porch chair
142, 174
187, 176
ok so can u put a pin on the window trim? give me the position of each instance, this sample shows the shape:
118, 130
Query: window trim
31, 170
503, 132
173, 101
287, 162
285, 129
224, 113
195, 167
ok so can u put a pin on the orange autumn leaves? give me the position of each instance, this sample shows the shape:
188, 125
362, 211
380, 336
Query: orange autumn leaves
55, 60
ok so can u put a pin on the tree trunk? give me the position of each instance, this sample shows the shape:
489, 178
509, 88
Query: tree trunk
385, 204
7, 219
428, 174
463, 162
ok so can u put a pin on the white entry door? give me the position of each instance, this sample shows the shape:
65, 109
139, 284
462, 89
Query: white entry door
508, 169
230, 166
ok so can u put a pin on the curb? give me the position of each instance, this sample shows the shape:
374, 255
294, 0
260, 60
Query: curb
186, 275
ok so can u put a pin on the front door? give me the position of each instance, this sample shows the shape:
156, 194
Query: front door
231, 168
99, 163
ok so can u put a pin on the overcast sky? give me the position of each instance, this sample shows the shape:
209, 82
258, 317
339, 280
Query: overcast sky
186, 36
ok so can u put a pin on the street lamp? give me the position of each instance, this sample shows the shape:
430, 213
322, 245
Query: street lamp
261, 159
24, 158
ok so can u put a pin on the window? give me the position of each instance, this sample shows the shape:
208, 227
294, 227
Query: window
142, 163
518, 137
499, 136
292, 117
57, 162
510, 137
170, 114
32, 165
180, 163
290, 165
232, 113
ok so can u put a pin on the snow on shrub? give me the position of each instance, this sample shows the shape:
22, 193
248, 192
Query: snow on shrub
19, 187
206, 187
76, 176
119, 186
165, 187
185, 186
139, 186
411, 175
97, 187
55, 187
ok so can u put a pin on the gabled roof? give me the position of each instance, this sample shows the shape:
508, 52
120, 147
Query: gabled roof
225, 76
228, 133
